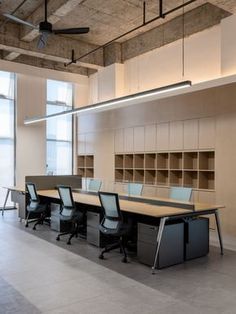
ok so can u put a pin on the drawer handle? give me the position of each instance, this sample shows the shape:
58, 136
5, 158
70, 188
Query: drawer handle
153, 228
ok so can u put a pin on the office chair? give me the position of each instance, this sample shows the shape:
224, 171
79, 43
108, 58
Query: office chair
135, 189
94, 185
113, 223
181, 193
69, 213
35, 206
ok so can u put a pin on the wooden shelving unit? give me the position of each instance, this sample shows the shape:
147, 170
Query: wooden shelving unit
193, 169
85, 166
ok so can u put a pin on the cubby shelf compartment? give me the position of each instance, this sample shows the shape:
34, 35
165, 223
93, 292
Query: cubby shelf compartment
162, 161
89, 161
150, 177
150, 161
206, 180
89, 172
190, 160
119, 161
139, 176
176, 161
191, 179
207, 160
85, 166
81, 172
162, 177
81, 162
176, 178
128, 161
139, 161
119, 173
193, 169
128, 175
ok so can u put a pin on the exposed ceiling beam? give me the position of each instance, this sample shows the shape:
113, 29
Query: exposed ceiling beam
50, 64
58, 48
56, 10
196, 20
11, 56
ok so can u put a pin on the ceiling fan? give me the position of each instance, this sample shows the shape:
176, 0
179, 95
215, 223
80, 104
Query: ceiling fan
45, 28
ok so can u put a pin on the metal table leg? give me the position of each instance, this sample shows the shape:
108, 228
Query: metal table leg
5, 202
159, 237
217, 218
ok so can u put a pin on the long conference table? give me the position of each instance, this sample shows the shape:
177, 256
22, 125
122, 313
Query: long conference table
141, 206
162, 209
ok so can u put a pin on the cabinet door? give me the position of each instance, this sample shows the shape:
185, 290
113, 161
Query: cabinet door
150, 138
191, 134
163, 192
128, 140
139, 139
163, 136
119, 141
81, 144
150, 191
89, 143
207, 133
176, 135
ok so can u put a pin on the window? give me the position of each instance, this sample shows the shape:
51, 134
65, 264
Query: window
7, 132
59, 130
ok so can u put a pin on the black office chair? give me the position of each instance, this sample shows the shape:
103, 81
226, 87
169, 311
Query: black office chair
34, 207
113, 223
69, 213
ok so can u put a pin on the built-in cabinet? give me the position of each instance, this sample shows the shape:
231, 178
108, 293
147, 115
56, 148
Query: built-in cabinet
85, 166
195, 169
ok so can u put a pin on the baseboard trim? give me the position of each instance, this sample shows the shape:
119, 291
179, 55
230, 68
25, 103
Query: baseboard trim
229, 242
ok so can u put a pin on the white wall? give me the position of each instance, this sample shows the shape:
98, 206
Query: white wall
30, 139
164, 66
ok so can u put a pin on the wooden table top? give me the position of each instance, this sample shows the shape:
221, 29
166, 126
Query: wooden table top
14, 188
135, 207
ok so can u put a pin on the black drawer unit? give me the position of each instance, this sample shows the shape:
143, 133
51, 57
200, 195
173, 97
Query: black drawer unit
94, 236
196, 238
172, 244
56, 223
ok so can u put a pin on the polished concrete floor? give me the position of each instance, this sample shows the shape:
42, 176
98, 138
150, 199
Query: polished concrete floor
40, 275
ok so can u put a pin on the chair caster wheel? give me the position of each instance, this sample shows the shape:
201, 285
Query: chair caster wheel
68, 243
124, 260
34, 228
26, 226
58, 238
101, 256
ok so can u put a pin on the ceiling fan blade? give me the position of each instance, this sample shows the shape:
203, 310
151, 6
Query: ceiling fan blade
72, 31
17, 20
42, 40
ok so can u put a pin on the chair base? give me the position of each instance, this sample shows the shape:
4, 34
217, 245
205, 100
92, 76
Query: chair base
38, 221
121, 245
73, 233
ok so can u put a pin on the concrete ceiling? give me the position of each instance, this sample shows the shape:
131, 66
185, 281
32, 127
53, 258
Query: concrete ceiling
107, 19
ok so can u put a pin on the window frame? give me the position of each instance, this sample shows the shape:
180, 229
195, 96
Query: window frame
72, 120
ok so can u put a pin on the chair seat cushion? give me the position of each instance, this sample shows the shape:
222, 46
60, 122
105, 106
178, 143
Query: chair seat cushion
122, 229
40, 208
78, 216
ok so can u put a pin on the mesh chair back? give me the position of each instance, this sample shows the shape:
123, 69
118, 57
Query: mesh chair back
111, 209
181, 193
135, 188
94, 185
31, 188
68, 205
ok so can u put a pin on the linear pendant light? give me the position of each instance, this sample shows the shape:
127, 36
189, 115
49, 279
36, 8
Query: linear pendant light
112, 103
